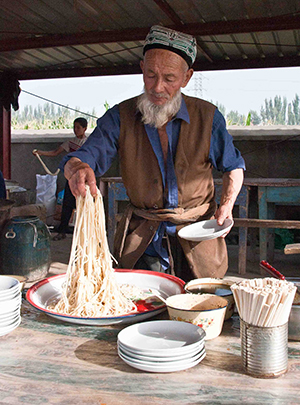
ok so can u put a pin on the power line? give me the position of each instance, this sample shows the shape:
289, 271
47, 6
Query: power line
61, 105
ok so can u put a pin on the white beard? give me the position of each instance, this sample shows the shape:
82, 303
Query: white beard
158, 115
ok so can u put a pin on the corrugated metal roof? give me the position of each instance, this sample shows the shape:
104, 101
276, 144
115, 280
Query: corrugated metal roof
67, 38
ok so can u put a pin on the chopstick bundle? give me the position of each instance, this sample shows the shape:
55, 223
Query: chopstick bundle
264, 302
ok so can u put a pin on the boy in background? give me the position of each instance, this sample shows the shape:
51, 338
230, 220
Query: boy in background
69, 201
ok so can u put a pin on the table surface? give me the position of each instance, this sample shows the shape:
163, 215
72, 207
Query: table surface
45, 361
248, 181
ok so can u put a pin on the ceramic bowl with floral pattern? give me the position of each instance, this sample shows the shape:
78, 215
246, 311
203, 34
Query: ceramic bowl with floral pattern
206, 311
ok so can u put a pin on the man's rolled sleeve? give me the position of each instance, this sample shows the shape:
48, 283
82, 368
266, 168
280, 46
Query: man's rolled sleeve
223, 155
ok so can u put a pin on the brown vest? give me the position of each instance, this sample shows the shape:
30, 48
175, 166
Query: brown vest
143, 182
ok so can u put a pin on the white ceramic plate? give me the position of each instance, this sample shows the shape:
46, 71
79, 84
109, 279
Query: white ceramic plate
136, 356
189, 359
205, 230
163, 368
49, 290
161, 338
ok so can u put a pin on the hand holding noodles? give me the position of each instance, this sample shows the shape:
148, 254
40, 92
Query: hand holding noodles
91, 289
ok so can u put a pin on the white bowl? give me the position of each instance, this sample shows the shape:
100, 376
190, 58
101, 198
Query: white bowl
10, 305
10, 295
8, 285
217, 286
9, 321
10, 315
7, 329
205, 230
206, 311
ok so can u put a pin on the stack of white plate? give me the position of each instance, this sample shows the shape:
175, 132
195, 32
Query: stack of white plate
10, 304
162, 346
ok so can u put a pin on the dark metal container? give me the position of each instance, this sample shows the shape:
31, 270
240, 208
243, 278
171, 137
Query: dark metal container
5, 207
264, 349
25, 248
294, 319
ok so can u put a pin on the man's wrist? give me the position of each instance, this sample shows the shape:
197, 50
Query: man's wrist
72, 166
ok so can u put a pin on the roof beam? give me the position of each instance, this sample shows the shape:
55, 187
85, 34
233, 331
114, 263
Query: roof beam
203, 66
256, 63
286, 22
78, 72
168, 10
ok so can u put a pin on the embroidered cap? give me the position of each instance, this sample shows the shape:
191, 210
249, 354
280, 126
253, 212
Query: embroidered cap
183, 44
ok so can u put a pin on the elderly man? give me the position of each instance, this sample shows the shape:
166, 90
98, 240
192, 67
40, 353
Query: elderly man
167, 145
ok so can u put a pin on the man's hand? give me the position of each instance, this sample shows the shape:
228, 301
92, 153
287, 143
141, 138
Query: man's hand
79, 175
232, 183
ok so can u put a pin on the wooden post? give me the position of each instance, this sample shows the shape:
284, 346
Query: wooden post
5, 142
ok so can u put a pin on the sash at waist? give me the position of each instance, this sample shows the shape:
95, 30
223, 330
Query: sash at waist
177, 216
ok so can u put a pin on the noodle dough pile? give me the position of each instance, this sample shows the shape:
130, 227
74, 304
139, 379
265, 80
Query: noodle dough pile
91, 289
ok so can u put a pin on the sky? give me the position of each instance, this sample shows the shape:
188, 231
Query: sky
236, 90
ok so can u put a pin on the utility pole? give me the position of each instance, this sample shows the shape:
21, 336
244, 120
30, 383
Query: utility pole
198, 84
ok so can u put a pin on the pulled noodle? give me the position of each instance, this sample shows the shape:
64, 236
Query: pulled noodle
91, 289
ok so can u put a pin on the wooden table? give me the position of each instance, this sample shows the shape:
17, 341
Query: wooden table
45, 361
270, 193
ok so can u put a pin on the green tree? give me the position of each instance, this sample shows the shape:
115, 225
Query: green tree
235, 118
291, 116
274, 112
255, 118
296, 109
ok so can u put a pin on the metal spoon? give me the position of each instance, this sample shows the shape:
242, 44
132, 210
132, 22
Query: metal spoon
156, 294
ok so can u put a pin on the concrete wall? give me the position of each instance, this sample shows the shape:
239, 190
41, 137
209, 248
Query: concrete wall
268, 152
25, 166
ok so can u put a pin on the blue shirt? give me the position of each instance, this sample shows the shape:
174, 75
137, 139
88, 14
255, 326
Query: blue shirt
101, 148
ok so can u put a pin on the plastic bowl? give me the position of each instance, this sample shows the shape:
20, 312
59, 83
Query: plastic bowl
205, 310
216, 286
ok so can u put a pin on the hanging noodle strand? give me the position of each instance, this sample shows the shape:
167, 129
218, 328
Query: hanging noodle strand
91, 289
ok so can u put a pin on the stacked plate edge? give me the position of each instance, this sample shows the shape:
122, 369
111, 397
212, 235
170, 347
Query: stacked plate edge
10, 304
162, 346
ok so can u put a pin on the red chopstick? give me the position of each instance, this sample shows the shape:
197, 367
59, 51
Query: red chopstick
271, 270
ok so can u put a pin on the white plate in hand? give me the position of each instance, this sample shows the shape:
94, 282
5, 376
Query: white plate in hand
205, 230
